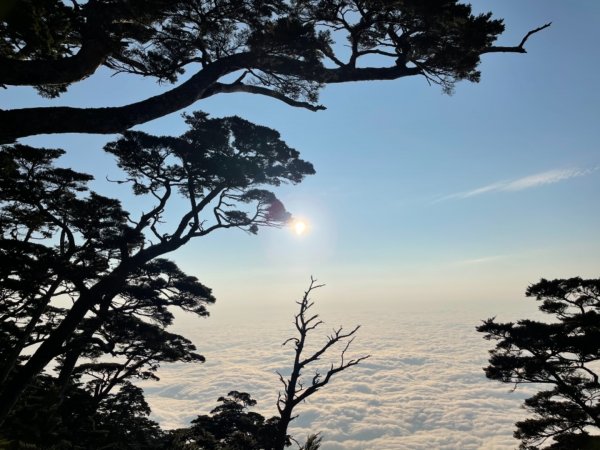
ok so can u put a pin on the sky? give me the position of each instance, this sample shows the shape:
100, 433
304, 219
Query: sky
421, 201
416, 192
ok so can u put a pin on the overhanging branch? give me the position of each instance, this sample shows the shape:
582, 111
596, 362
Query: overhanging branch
250, 89
518, 48
17, 123
66, 70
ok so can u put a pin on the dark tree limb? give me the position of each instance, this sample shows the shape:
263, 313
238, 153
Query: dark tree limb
294, 390
251, 89
91, 55
518, 48
17, 123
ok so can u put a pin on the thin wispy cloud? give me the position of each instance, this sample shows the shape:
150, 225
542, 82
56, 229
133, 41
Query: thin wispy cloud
481, 260
520, 184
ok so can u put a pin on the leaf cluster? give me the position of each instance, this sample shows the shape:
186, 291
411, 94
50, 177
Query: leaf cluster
79, 421
562, 354
73, 258
230, 426
440, 38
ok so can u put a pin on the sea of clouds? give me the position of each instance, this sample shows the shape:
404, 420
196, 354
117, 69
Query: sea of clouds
422, 388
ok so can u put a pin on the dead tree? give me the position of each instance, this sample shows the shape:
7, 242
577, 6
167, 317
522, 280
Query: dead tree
295, 390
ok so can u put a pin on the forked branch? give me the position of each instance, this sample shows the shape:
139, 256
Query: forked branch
295, 391
518, 48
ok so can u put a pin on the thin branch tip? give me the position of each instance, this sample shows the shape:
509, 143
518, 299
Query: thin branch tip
531, 32
517, 48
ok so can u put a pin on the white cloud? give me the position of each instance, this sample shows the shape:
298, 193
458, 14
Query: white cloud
423, 387
528, 182
482, 260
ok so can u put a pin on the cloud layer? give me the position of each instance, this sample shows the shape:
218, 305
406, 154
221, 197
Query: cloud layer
423, 387
530, 181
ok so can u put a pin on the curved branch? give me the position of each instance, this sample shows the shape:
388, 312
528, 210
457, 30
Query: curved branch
18, 123
519, 48
31, 121
250, 89
91, 55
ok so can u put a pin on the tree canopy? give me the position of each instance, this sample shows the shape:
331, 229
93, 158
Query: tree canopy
285, 49
79, 420
562, 355
89, 412
230, 426
86, 277
88, 291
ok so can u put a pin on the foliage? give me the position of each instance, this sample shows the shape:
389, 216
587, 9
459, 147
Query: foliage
313, 442
80, 421
285, 49
87, 279
229, 427
562, 354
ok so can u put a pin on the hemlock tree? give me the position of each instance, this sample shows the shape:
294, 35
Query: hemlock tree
284, 49
85, 277
563, 355
230, 426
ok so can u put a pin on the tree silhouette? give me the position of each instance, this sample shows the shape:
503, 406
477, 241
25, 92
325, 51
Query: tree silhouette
230, 426
99, 407
65, 243
295, 389
120, 420
313, 442
286, 50
562, 354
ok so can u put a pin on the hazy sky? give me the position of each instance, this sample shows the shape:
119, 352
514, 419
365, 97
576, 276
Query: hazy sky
418, 195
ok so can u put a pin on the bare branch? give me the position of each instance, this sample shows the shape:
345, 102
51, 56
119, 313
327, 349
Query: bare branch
519, 48
250, 89
295, 390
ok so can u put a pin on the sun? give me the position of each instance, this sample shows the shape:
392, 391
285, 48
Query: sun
299, 227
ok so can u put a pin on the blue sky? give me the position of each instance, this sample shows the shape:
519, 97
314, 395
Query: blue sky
391, 217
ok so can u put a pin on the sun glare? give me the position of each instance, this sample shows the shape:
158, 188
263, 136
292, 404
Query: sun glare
299, 227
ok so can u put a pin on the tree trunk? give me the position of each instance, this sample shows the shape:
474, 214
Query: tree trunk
48, 350
18, 123
13, 356
104, 291
282, 429
71, 358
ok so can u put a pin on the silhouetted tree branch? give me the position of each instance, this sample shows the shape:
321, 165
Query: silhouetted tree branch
284, 49
295, 391
66, 242
519, 48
